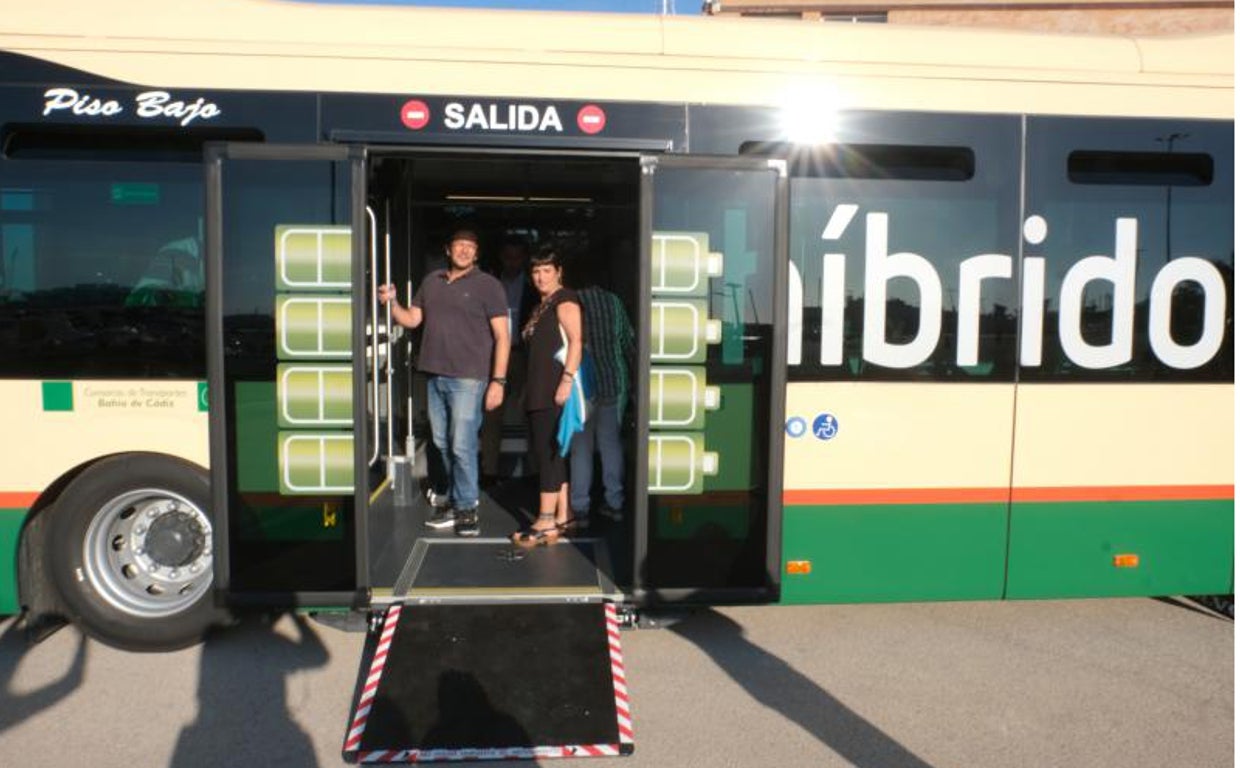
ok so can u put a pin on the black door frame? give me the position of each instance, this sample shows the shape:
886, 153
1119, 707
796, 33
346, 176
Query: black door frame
779, 379
214, 155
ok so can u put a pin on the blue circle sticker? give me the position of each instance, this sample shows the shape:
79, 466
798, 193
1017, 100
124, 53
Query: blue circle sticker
826, 426
796, 427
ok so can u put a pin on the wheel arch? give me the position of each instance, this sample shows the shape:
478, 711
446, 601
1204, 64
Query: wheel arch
37, 597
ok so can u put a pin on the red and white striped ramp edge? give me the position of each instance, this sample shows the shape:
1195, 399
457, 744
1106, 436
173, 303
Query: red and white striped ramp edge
353, 739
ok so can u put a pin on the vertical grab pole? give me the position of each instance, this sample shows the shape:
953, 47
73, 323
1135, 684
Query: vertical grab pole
411, 445
387, 320
374, 332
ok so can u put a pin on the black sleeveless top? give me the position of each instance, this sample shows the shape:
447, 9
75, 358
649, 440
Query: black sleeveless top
543, 370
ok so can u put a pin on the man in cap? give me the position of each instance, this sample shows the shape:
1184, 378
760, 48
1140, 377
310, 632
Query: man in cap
464, 315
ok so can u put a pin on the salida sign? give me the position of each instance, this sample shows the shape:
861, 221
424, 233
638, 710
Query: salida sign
501, 117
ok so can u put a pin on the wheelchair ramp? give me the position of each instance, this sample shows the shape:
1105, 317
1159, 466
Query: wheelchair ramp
492, 682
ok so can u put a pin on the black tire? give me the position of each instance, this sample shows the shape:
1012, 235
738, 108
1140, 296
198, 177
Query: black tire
129, 550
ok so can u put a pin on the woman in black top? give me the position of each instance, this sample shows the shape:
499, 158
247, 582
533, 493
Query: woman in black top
554, 324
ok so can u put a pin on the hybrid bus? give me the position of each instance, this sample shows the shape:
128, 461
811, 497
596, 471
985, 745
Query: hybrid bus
922, 314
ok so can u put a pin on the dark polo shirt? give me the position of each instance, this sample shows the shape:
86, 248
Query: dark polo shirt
456, 323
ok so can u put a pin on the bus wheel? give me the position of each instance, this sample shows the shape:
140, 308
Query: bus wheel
130, 552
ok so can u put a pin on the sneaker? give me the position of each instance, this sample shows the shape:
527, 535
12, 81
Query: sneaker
611, 513
467, 522
437, 500
441, 517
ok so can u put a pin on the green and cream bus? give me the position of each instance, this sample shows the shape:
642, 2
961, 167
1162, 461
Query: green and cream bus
922, 314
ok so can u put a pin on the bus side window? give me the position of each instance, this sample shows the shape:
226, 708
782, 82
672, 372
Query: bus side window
1153, 199
101, 272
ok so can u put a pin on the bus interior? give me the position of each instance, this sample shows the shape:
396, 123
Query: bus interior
588, 208
343, 510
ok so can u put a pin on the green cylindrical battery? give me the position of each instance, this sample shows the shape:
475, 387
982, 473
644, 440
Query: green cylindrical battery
680, 331
313, 327
311, 395
679, 462
680, 398
681, 263
315, 463
313, 257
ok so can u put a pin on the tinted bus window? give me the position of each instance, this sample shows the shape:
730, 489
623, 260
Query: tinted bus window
280, 541
903, 257
1132, 224
101, 271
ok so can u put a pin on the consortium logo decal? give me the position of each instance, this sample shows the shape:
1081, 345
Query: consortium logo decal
824, 426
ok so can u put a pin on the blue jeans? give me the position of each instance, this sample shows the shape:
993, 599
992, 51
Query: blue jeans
455, 410
602, 429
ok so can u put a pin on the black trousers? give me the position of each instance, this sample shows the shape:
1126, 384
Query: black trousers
552, 471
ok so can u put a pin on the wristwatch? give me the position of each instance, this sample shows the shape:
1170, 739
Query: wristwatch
500, 380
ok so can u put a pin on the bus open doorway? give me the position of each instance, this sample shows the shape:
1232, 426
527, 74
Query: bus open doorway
291, 352
587, 207
708, 275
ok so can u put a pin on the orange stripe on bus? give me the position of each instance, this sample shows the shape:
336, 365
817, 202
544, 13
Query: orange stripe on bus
898, 496
26, 499
863, 496
1127, 493
17, 500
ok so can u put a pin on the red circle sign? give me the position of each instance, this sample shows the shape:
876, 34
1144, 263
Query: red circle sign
591, 119
415, 114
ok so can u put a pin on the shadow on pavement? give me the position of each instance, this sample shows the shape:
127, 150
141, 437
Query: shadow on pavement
775, 684
16, 707
243, 710
1194, 605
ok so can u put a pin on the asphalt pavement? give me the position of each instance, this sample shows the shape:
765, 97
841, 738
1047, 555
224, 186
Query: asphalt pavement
1124, 682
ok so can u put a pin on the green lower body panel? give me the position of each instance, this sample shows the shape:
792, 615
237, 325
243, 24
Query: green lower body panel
885, 553
1070, 549
877, 553
11, 521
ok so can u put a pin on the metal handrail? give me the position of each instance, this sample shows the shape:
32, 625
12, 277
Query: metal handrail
387, 280
374, 335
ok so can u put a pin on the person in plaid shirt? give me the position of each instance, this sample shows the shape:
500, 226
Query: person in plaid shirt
610, 338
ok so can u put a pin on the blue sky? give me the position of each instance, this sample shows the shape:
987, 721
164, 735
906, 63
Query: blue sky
605, 6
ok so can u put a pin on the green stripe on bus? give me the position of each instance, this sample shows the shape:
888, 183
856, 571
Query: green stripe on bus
884, 553
1069, 549
887, 553
10, 530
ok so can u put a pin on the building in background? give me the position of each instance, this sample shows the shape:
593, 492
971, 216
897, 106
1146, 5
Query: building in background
1119, 17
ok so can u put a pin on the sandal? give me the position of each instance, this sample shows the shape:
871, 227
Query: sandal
537, 537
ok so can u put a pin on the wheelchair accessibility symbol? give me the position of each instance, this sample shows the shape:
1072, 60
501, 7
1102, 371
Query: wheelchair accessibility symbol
826, 426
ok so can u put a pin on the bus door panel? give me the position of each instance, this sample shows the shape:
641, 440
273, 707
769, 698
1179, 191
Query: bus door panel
710, 404
289, 446
904, 241
1123, 473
